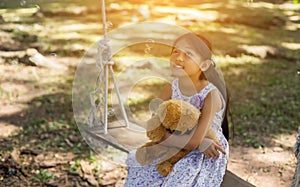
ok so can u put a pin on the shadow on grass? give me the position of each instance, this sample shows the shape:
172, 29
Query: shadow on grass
46, 124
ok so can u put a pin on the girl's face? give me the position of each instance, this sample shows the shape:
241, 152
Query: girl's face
184, 60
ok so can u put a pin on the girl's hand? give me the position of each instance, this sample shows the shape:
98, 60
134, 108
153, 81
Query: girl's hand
212, 150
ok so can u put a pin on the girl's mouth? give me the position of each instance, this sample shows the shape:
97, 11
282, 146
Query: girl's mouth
177, 66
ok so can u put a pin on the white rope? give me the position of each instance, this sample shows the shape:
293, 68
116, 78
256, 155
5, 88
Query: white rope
104, 64
104, 18
103, 57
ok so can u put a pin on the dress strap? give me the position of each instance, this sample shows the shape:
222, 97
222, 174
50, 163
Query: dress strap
208, 88
197, 99
204, 92
175, 89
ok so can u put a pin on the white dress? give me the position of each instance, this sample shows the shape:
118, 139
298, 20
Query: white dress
194, 169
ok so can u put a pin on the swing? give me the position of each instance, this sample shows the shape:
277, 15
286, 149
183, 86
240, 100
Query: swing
121, 134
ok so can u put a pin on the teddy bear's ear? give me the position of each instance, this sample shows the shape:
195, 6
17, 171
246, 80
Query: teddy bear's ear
162, 111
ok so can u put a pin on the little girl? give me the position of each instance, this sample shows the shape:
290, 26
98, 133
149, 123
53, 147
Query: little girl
198, 83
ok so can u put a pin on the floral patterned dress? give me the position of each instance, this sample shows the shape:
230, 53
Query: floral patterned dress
194, 169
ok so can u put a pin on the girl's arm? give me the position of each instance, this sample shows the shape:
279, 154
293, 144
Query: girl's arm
166, 93
212, 104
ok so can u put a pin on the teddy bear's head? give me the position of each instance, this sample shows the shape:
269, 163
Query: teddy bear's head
178, 115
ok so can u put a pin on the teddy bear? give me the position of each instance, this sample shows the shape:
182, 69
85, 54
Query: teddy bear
177, 117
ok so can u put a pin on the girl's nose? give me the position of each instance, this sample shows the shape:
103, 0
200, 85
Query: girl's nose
180, 57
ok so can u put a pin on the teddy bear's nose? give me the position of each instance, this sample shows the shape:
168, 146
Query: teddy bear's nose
170, 131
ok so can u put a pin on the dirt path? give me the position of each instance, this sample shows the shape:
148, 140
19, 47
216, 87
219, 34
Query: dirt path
267, 167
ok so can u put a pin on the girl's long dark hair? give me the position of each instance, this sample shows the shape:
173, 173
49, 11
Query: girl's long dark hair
211, 73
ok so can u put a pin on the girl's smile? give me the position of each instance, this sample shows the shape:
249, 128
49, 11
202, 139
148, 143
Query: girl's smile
177, 70
177, 66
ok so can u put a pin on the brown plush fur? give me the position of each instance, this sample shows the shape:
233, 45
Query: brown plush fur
173, 115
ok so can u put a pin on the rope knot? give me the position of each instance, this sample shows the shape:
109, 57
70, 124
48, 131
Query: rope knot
104, 52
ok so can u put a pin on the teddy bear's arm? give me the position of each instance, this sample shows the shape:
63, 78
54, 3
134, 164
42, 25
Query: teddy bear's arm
212, 135
157, 134
155, 131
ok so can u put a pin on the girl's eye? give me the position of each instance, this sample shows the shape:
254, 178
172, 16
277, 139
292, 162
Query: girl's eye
188, 53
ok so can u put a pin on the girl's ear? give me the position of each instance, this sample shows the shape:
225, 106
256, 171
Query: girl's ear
205, 65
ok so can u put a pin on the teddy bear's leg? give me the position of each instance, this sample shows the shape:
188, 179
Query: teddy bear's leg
154, 128
166, 167
182, 153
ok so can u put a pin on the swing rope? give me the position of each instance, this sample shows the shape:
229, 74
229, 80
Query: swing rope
104, 55
98, 97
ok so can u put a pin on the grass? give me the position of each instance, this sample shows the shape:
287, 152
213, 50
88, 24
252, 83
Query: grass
265, 100
43, 176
